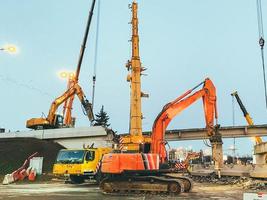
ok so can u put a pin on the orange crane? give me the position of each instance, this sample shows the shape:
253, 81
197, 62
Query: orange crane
147, 171
54, 120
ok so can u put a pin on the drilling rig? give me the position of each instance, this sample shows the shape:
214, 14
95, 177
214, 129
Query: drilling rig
136, 140
136, 167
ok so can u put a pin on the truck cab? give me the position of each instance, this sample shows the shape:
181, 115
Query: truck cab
79, 164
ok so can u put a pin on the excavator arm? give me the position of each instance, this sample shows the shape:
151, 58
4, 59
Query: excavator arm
76, 89
170, 110
50, 121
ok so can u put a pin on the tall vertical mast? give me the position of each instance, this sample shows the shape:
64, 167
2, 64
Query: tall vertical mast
135, 141
134, 66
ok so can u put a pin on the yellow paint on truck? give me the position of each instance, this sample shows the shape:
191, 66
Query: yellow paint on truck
79, 163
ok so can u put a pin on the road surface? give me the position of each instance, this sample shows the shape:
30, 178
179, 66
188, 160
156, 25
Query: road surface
61, 191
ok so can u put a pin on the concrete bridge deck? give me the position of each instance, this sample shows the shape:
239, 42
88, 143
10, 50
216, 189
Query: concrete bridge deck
227, 132
76, 137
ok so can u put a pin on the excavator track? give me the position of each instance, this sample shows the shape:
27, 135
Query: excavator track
187, 182
146, 184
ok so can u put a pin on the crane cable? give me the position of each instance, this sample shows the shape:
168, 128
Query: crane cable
261, 43
96, 54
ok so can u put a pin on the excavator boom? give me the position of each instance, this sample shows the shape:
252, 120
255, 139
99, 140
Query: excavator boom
76, 89
172, 109
50, 121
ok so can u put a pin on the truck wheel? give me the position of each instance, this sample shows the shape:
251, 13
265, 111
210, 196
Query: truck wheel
76, 179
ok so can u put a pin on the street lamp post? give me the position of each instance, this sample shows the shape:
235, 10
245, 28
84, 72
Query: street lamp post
12, 49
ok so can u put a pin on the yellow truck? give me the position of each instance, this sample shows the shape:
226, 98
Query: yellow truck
79, 164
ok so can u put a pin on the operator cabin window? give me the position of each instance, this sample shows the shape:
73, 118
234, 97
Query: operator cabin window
90, 156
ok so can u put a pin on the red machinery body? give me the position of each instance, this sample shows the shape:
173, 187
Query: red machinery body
117, 163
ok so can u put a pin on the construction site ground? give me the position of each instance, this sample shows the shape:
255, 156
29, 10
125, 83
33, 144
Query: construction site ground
58, 190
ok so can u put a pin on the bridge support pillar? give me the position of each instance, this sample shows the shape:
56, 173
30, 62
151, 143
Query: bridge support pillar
217, 151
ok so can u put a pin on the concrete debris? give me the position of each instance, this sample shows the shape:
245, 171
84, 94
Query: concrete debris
8, 179
255, 185
213, 178
244, 182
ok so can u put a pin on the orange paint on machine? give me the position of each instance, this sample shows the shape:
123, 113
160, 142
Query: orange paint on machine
117, 163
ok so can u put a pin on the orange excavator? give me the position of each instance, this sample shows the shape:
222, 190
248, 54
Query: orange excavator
170, 110
54, 120
148, 171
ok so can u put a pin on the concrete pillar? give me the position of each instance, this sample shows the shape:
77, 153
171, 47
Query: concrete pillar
217, 155
217, 150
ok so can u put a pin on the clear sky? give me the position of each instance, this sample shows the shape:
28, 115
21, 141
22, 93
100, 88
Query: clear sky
181, 43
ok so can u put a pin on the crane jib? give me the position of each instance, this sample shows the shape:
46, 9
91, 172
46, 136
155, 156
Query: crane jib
83, 46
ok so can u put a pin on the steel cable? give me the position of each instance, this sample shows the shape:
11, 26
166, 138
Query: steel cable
261, 43
96, 54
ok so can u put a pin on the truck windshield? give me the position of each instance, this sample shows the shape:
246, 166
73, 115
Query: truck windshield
70, 156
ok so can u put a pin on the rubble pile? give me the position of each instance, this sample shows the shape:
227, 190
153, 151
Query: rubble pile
213, 178
244, 182
255, 184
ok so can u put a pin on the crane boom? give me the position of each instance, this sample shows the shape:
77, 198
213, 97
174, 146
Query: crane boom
249, 120
83, 46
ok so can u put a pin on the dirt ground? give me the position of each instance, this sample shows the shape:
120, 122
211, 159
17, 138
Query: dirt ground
61, 191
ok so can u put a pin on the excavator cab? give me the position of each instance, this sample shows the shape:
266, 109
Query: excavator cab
58, 121
144, 147
43, 123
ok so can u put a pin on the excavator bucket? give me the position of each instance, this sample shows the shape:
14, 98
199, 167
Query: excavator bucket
88, 109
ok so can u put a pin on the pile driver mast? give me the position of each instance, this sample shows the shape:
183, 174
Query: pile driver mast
135, 139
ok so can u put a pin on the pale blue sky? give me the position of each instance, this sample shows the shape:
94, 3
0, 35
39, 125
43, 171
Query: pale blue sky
181, 43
